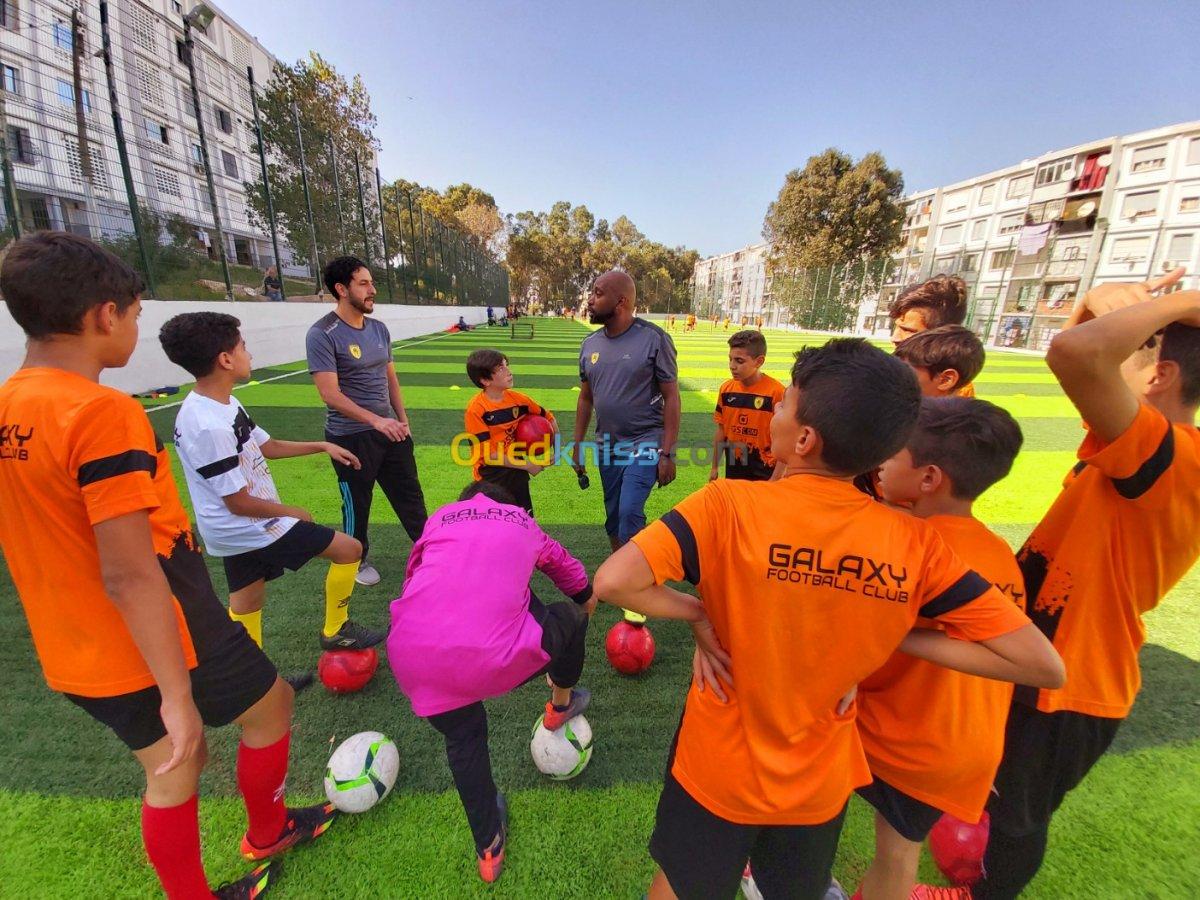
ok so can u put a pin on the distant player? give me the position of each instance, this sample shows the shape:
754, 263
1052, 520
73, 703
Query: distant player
468, 628
945, 359
119, 603
238, 511
492, 417
934, 737
691, 322
745, 406
1123, 531
806, 586
727, 320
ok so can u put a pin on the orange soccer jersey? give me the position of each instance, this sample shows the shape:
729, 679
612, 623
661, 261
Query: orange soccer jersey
494, 424
810, 586
1123, 531
74, 454
967, 390
745, 413
933, 733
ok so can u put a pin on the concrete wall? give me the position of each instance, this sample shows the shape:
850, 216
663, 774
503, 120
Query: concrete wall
274, 333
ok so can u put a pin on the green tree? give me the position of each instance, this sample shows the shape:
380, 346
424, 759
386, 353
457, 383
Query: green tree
835, 211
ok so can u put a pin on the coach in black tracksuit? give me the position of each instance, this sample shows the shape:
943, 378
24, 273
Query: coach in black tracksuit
350, 358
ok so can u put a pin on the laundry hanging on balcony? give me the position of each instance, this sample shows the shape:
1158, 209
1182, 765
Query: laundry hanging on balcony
1033, 238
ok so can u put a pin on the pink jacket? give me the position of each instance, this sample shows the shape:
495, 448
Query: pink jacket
461, 629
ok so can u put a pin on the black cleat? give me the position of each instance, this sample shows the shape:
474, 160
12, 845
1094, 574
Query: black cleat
258, 882
352, 636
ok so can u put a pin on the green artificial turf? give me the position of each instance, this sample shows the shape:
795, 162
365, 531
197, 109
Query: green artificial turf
69, 824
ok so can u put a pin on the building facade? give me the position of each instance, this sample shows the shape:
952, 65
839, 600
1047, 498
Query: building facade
37, 45
1030, 238
736, 285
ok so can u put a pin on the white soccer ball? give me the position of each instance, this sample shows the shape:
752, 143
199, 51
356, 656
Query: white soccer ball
564, 752
361, 771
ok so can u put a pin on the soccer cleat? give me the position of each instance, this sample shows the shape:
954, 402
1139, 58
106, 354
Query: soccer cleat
352, 636
257, 883
299, 680
934, 892
749, 889
835, 891
303, 825
491, 860
634, 618
368, 575
554, 719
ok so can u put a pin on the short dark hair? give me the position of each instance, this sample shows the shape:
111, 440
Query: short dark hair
751, 341
489, 489
194, 340
974, 442
945, 347
340, 270
52, 279
862, 401
943, 299
482, 363
1181, 345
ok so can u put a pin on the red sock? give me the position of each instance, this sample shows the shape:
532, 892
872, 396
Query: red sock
172, 838
261, 773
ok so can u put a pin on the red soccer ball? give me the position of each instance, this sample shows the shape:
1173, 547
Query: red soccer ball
532, 428
347, 671
958, 847
630, 648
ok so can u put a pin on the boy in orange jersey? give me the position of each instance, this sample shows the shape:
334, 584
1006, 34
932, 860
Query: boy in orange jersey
942, 300
492, 417
762, 766
945, 359
120, 606
933, 737
1123, 531
745, 406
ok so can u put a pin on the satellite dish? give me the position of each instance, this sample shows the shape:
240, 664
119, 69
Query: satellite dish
1085, 209
1104, 159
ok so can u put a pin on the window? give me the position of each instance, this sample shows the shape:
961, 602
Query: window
956, 202
20, 145
75, 164
230, 163
970, 262
1130, 249
224, 120
167, 182
1189, 203
945, 265
149, 84
1052, 173
177, 6
951, 234
66, 95
156, 131
143, 27
1148, 159
197, 155
1138, 205
12, 80
979, 230
185, 101
987, 194
8, 14
1002, 259
1011, 224
63, 38
1179, 251
1019, 186
1193, 155
181, 50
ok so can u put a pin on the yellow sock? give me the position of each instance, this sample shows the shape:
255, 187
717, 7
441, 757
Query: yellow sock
339, 584
252, 622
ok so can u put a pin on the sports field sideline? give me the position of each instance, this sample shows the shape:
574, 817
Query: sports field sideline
1130, 831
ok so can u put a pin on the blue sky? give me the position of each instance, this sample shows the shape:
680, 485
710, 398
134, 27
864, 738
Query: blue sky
686, 116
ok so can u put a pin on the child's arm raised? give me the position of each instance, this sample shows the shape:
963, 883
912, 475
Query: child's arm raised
276, 449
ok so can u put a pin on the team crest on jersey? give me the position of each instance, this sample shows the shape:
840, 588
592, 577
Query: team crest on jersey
595, 358
356, 351
758, 402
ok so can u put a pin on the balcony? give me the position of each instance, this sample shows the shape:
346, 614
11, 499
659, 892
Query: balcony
1094, 174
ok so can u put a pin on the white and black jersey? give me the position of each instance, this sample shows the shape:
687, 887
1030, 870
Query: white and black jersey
220, 448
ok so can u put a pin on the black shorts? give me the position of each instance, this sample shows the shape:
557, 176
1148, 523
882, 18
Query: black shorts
1045, 756
751, 468
224, 686
704, 856
911, 817
515, 481
302, 542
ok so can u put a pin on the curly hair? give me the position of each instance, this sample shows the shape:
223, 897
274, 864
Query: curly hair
942, 301
340, 270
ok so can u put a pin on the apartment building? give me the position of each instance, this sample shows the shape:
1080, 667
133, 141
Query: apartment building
734, 284
1029, 238
158, 116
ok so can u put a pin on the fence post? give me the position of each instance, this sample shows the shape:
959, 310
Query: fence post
85, 150
262, 158
11, 206
399, 237
412, 237
312, 225
362, 208
387, 259
122, 150
337, 193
